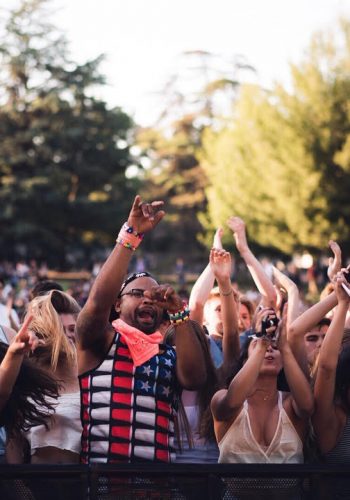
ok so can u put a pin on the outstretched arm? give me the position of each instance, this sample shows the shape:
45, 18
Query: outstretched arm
292, 293
295, 341
262, 281
203, 286
326, 420
93, 329
190, 365
334, 262
302, 398
220, 263
309, 319
24, 342
226, 404
306, 321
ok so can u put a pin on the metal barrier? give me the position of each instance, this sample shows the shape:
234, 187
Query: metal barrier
174, 482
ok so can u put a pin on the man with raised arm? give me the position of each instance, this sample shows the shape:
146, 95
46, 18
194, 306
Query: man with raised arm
129, 380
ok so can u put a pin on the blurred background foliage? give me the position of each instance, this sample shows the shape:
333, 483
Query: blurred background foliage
63, 153
70, 166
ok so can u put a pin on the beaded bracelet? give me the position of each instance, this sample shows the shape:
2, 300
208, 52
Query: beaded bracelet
129, 238
226, 294
130, 230
179, 316
125, 244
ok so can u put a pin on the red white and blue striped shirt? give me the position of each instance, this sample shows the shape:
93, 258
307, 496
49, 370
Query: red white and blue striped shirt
127, 411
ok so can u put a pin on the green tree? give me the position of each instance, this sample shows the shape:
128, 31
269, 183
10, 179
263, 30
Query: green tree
283, 164
176, 177
193, 99
63, 153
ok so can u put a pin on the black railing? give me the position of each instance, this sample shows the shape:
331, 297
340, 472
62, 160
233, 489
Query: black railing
174, 482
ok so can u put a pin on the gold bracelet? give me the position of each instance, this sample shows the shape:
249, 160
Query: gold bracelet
226, 294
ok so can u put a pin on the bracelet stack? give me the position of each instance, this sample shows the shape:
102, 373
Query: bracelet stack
129, 238
180, 316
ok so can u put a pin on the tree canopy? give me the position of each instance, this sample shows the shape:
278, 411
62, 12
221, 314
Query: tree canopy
193, 99
279, 157
283, 163
63, 152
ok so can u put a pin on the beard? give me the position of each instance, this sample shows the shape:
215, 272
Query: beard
147, 320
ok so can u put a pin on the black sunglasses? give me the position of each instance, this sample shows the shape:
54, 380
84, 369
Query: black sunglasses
134, 292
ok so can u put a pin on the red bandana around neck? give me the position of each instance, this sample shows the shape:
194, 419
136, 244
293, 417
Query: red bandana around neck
142, 347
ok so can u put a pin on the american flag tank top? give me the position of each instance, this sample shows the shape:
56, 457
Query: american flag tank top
128, 412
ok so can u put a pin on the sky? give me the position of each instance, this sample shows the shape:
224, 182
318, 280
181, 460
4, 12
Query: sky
143, 39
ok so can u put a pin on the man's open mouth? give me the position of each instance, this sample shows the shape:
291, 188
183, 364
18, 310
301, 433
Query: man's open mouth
146, 315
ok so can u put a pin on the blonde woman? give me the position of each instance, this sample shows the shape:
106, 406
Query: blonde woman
56, 354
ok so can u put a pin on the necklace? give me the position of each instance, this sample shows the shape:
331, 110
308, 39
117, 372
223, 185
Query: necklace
267, 395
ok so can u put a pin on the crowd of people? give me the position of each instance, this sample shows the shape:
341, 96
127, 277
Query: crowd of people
134, 373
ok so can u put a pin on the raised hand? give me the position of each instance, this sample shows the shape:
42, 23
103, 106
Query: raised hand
165, 296
334, 263
217, 243
220, 263
237, 226
259, 275
282, 280
25, 341
342, 285
143, 216
266, 323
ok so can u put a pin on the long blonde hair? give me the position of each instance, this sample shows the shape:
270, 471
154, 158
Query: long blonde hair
47, 325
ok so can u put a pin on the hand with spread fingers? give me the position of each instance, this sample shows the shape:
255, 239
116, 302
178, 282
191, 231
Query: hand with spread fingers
237, 226
25, 341
165, 296
261, 278
342, 285
334, 264
217, 241
220, 263
143, 217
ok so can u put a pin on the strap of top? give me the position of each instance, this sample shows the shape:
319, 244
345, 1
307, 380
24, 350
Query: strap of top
280, 400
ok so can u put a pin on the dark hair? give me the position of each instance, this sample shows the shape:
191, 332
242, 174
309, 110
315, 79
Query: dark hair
64, 303
282, 383
243, 355
27, 405
44, 286
207, 391
243, 299
324, 322
342, 379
